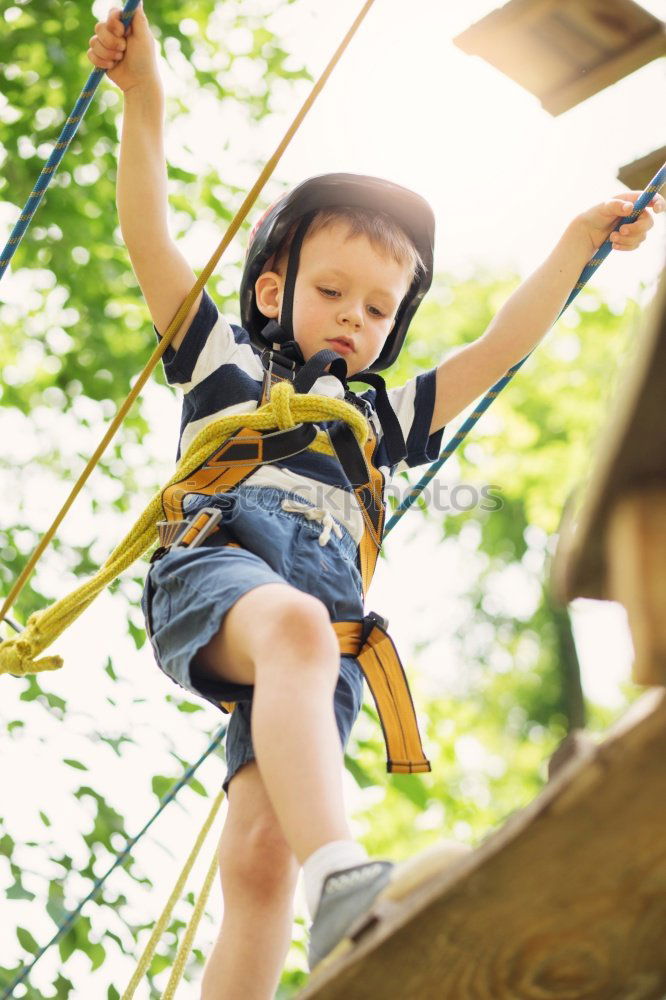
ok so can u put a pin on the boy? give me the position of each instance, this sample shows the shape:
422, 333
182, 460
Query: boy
250, 621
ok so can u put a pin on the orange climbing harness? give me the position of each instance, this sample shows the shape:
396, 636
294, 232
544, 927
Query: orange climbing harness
366, 639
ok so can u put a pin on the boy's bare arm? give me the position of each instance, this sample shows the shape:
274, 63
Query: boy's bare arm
533, 308
163, 273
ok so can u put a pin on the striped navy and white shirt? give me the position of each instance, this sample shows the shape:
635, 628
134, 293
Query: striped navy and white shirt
220, 373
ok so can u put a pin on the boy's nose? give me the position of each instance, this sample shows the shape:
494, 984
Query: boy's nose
351, 316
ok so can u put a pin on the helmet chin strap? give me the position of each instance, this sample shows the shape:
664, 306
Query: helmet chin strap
282, 331
287, 311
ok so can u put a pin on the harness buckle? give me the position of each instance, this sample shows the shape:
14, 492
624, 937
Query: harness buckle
199, 527
267, 361
369, 621
361, 404
190, 532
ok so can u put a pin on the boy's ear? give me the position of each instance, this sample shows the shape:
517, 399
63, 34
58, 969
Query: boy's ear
268, 293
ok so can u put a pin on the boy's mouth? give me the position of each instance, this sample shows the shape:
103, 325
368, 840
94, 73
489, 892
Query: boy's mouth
342, 344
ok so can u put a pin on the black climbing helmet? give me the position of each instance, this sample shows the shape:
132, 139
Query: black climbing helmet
409, 210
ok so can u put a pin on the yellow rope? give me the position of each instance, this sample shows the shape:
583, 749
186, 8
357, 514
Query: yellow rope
285, 409
183, 311
188, 939
160, 926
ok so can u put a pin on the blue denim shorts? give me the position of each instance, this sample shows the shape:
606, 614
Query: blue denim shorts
189, 591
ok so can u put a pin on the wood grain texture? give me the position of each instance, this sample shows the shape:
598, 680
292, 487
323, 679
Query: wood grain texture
636, 558
566, 902
630, 457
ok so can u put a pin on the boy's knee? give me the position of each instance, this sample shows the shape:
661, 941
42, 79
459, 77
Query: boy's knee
256, 861
300, 622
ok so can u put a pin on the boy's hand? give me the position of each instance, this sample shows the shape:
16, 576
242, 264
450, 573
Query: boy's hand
129, 60
598, 222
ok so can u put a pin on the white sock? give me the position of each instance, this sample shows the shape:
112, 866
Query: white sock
333, 857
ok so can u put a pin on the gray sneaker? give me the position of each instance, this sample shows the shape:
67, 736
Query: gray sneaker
346, 895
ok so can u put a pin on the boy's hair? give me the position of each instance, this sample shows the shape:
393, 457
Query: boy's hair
381, 230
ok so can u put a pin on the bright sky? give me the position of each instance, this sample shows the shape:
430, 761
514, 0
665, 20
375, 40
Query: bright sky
504, 178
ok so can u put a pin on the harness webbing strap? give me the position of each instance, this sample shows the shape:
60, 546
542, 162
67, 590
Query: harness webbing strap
383, 670
234, 461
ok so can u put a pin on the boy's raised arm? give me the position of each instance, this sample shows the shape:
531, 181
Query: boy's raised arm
163, 273
532, 309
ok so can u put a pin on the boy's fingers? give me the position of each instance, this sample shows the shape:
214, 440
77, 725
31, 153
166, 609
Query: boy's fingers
624, 203
640, 224
109, 40
114, 23
140, 22
102, 52
628, 237
100, 63
620, 206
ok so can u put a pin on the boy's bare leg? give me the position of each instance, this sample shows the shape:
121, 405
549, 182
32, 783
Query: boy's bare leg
290, 802
281, 640
258, 873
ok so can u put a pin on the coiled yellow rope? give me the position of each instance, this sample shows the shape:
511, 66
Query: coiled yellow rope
285, 409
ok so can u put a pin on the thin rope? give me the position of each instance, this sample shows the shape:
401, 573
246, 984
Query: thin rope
69, 130
182, 313
599, 256
121, 858
160, 926
188, 939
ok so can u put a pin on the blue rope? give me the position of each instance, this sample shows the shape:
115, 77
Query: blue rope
600, 255
62, 929
69, 131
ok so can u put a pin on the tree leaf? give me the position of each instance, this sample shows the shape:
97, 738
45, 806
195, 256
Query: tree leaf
75, 764
26, 940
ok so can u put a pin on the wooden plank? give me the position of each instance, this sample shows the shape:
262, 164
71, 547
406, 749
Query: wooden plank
613, 25
630, 456
604, 75
637, 174
636, 556
566, 51
512, 53
574, 48
566, 902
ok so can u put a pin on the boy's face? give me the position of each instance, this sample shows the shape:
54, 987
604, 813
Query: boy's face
346, 297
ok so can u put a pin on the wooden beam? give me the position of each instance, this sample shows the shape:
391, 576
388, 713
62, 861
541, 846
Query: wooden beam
638, 174
629, 457
636, 556
567, 900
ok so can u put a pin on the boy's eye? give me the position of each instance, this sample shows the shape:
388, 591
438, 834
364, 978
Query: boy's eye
375, 311
330, 292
